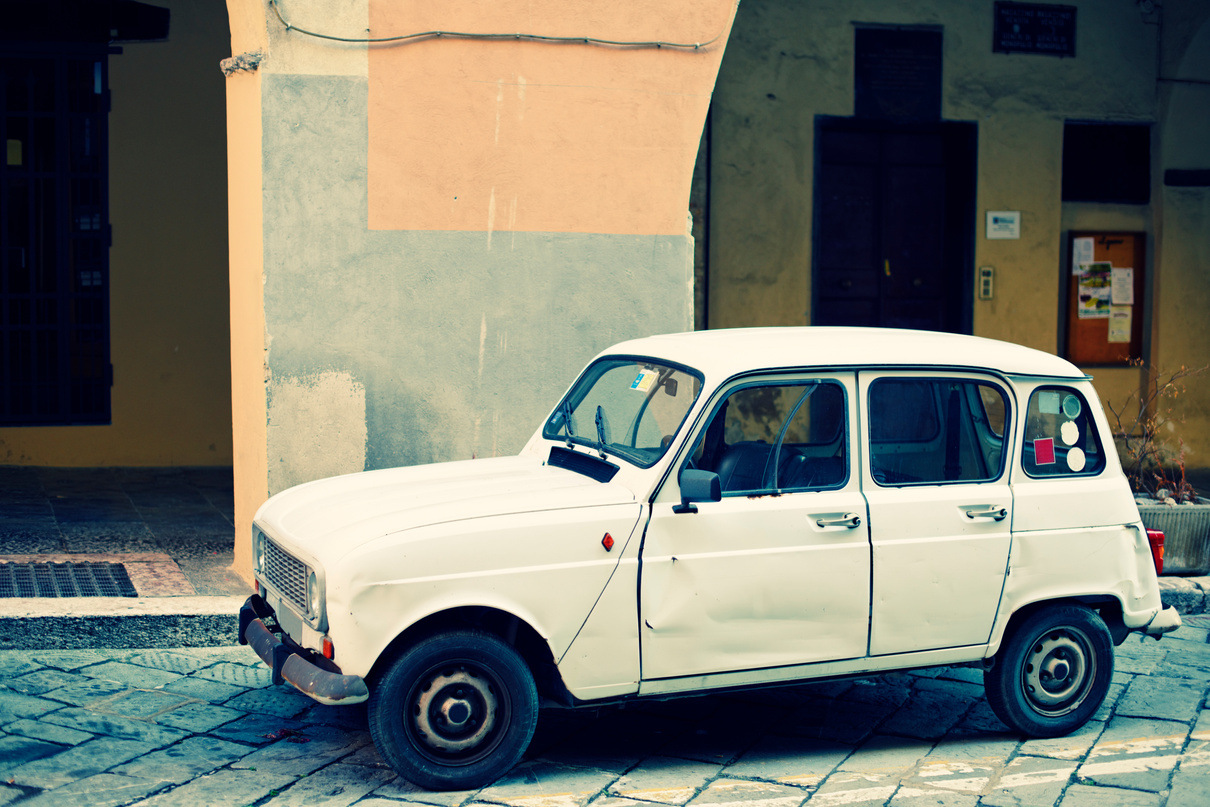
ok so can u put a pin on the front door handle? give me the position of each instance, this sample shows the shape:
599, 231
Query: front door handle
985, 511
850, 520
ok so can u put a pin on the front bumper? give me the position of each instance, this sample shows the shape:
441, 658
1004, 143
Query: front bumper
288, 665
1165, 621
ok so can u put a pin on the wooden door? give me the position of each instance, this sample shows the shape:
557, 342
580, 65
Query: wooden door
892, 241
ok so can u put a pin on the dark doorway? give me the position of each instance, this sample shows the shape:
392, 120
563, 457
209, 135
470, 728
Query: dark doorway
894, 224
54, 222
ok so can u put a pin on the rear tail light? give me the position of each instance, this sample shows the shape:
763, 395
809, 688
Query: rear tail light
1156, 539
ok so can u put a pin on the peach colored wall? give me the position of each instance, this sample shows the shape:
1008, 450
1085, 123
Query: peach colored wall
247, 308
527, 136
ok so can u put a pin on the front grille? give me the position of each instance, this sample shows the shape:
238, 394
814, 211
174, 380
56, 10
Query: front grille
287, 574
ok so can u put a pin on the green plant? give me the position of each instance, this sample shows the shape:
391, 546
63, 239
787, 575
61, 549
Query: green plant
1144, 446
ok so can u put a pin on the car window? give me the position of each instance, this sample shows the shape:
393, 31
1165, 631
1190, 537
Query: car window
936, 430
783, 437
626, 406
1060, 435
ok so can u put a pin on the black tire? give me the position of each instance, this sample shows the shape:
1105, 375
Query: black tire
1053, 672
454, 712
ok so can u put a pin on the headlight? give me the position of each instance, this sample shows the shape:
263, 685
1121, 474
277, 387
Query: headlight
313, 596
258, 549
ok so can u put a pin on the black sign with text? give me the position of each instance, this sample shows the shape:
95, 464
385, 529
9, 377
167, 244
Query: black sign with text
1035, 28
898, 74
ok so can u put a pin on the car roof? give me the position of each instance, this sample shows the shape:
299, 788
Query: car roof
728, 352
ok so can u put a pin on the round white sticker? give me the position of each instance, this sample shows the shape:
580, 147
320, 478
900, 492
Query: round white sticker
1071, 406
1075, 460
1070, 433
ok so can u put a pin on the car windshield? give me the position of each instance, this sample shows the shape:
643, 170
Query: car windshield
626, 406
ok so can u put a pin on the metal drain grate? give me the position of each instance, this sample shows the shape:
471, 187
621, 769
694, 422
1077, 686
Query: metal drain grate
65, 580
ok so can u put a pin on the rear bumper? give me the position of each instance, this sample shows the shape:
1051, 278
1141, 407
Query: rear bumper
1166, 621
288, 665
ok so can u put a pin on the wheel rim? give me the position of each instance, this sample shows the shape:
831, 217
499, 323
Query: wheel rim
456, 713
1059, 671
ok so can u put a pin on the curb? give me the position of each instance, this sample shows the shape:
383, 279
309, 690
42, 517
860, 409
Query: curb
119, 622
1188, 595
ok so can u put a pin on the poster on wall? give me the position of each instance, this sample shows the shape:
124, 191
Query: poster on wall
1095, 289
1122, 286
1081, 253
1121, 318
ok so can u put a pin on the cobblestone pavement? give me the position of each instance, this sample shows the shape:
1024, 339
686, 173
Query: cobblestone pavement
205, 726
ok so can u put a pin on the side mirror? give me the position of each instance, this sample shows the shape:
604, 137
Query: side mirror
697, 486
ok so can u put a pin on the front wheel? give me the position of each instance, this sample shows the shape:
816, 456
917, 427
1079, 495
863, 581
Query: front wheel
1053, 673
455, 712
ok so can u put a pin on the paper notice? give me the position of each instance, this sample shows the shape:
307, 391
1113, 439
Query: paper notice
1081, 252
1121, 318
1122, 284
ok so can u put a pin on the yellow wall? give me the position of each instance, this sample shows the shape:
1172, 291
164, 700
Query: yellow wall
169, 338
788, 62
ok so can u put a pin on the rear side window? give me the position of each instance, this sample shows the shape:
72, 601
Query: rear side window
933, 430
1060, 435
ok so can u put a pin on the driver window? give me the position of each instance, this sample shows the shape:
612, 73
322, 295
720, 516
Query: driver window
777, 437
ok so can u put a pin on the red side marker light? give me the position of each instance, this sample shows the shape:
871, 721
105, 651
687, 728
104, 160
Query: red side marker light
329, 650
1156, 539
607, 542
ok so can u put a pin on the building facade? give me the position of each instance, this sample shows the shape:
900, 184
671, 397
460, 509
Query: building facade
394, 245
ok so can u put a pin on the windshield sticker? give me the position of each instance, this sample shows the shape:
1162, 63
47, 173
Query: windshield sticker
1070, 433
644, 381
1048, 403
1044, 451
1075, 460
1071, 406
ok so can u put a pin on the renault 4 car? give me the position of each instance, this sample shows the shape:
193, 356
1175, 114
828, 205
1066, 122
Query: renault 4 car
716, 510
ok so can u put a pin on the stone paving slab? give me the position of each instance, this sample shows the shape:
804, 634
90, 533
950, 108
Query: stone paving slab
205, 726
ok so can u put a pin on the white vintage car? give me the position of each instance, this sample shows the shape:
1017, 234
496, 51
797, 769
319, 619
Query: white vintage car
715, 510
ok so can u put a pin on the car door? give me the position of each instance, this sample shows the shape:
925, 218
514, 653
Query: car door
777, 572
940, 505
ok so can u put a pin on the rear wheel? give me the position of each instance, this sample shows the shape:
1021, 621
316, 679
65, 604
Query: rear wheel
1053, 672
455, 712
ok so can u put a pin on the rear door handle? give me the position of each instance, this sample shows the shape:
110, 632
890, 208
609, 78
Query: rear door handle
850, 520
985, 511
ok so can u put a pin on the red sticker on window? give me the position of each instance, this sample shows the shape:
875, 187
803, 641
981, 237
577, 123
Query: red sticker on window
1044, 451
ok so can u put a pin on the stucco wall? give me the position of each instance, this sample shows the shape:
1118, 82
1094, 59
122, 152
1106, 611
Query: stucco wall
1183, 240
788, 62
443, 249
169, 340
459, 341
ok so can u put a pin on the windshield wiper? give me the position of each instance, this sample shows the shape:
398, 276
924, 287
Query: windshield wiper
600, 419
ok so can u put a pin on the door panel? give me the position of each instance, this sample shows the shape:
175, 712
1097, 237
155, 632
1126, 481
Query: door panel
751, 583
778, 572
940, 507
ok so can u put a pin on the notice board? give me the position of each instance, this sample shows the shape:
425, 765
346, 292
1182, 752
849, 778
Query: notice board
1106, 280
